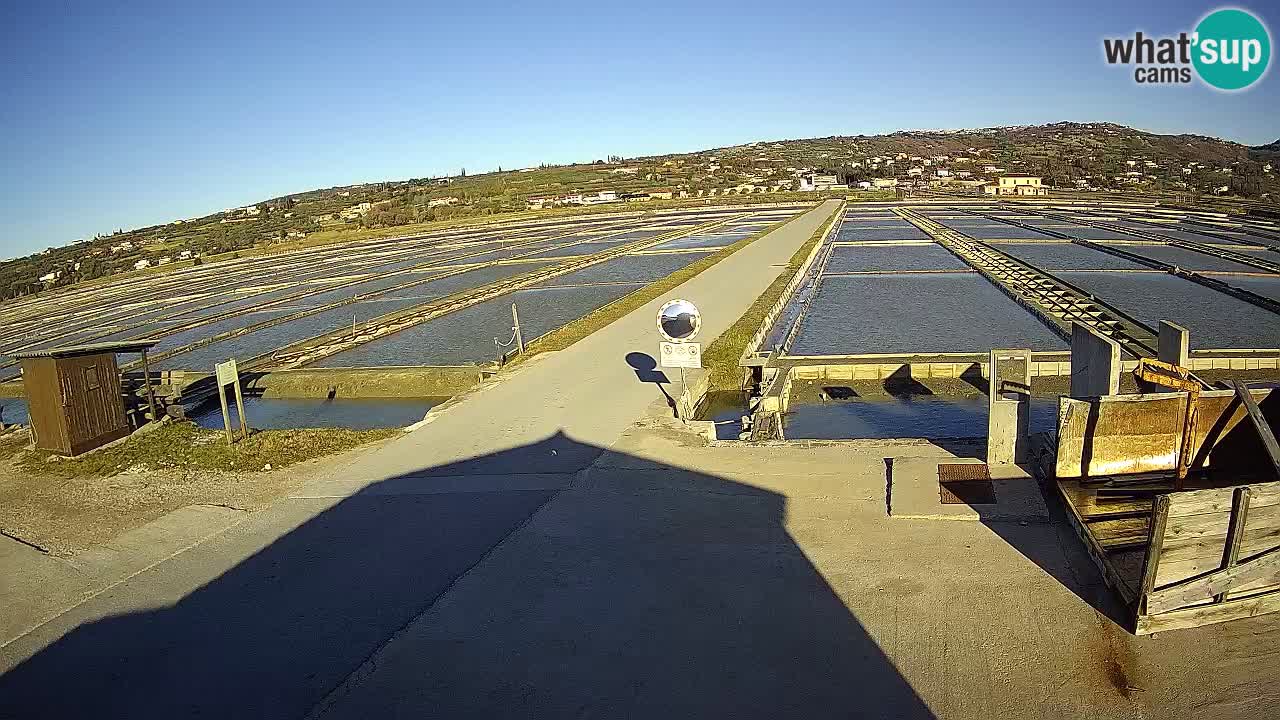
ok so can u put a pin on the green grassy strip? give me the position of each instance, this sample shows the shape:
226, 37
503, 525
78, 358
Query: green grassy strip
187, 446
566, 335
722, 356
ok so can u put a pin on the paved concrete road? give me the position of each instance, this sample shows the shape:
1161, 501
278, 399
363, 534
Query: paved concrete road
265, 619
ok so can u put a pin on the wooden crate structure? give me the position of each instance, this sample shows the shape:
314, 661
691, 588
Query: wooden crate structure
1213, 555
74, 397
1205, 555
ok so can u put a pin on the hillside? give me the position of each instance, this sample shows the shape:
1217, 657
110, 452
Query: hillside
1266, 153
1068, 155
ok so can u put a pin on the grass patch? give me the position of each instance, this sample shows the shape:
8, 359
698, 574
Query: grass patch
721, 357
566, 335
12, 444
186, 446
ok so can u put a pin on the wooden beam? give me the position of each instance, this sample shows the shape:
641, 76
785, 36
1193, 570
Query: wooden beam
1219, 500
146, 382
1214, 583
1155, 543
1259, 424
1235, 532
1208, 614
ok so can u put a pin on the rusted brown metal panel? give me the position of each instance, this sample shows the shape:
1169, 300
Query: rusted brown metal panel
1126, 434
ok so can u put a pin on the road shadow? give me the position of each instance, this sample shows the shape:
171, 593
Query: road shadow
516, 584
646, 369
1054, 547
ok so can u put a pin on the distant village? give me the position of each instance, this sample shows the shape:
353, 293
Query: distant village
974, 171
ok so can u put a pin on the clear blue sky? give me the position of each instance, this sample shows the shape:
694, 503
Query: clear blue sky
129, 116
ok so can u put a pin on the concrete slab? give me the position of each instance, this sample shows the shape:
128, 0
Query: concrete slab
645, 596
35, 586
265, 618
53, 586
914, 493
156, 541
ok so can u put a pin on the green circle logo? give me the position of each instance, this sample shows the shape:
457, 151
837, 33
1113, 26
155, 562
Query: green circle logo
1232, 49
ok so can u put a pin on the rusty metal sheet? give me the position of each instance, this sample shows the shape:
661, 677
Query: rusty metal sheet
965, 484
1124, 434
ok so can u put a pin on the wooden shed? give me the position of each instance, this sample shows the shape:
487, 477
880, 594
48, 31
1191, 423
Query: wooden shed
74, 397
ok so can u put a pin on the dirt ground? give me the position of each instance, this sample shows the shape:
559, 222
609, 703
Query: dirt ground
65, 506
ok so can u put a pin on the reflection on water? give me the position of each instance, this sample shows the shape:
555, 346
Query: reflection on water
904, 416
725, 409
13, 411
356, 414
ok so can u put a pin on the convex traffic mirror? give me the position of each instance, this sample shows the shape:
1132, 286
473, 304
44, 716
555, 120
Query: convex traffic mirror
679, 321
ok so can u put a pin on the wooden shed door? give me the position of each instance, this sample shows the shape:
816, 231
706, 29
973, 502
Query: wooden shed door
91, 397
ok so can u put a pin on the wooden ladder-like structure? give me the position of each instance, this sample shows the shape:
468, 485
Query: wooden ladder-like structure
1056, 302
1154, 234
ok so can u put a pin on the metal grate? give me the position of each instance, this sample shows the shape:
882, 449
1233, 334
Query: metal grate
965, 484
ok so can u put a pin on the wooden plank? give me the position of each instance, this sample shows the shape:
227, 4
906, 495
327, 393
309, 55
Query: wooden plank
1207, 535
1110, 532
1192, 589
1214, 500
1235, 535
1260, 424
1151, 563
1121, 481
1088, 503
146, 383
1256, 587
1099, 517
1207, 525
1174, 570
1234, 609
1120, 546
1209, 551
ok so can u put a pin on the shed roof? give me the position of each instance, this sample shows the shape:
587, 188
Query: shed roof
130, 346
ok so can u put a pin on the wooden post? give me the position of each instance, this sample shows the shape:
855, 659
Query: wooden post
226, 414
227, 373
1260, 424
146, 381
244, 424
1188, 439
1235, 532
1155, 546
515, 320
685, 400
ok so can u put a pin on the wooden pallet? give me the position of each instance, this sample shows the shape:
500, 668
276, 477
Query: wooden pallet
1182, 559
